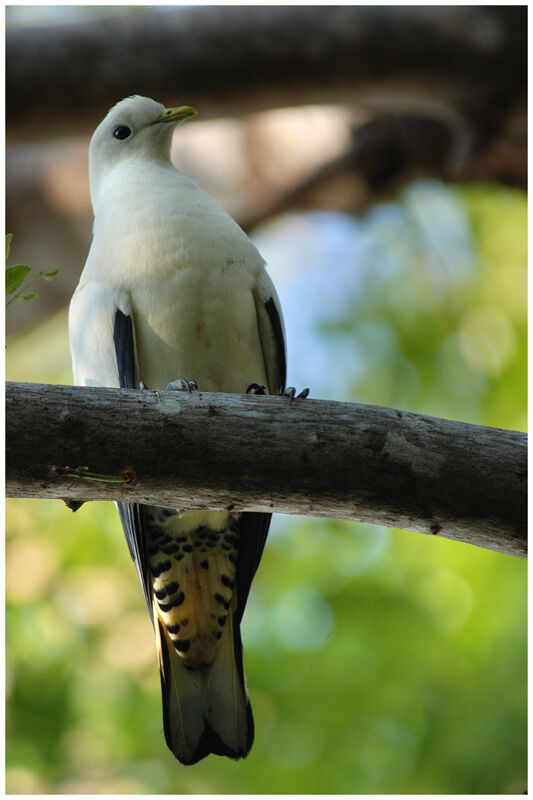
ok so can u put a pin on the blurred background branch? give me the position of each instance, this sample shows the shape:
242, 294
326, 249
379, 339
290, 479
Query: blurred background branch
233, 60
445, 96
410, 92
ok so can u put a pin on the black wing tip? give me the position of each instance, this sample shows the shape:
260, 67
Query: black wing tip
277, 327
254, 527
132, 519
125, 350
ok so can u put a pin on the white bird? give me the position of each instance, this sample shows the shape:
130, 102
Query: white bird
174, 291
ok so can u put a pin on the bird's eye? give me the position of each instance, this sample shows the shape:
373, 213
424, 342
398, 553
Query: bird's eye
122, 132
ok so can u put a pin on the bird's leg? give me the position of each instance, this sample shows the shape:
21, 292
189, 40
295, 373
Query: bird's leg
181, 385
290, 392
256, 388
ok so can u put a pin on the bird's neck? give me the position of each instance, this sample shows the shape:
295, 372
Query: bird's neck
134, 183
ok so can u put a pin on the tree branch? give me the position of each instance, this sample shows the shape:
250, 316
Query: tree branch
235, 452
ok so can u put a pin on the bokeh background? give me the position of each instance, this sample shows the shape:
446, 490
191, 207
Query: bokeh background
392, 214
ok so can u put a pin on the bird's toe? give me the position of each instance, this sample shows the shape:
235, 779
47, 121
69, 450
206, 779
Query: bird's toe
290, 392
256, 388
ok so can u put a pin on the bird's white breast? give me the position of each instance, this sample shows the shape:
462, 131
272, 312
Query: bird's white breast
190, 272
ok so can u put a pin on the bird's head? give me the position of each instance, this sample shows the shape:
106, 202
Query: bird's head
134, 128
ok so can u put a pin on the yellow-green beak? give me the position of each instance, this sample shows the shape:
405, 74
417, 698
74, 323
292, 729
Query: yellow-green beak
177, 115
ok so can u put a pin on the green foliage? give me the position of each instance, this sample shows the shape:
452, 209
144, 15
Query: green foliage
16, 275
378, 661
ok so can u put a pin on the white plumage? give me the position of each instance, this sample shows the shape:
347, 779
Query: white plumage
172, 287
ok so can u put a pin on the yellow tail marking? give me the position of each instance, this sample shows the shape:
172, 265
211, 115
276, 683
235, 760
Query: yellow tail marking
157, 615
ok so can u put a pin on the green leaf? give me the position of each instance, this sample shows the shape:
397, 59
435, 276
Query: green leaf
14, 277
25, 297
9, 236
49, 275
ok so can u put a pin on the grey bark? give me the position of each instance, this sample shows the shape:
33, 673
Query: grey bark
222, 451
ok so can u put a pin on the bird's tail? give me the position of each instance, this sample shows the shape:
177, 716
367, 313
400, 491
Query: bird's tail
205, 710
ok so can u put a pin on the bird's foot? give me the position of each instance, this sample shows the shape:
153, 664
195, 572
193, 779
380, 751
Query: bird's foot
181, 385
256, 388
290, 392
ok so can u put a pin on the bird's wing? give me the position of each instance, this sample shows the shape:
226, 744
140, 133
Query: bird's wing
271, 332
91, 324
254, 526
102, 343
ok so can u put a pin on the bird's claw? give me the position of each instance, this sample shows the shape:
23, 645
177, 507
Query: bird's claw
256, 388
181, 385
290, 392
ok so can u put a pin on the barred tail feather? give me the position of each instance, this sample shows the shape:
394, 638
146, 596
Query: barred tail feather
228, 710
205, 711
182, 699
